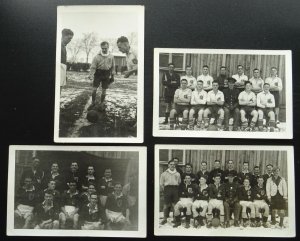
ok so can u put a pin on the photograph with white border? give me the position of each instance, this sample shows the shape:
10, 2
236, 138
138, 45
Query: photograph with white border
99, 81
245, 191
222, 93
77, 191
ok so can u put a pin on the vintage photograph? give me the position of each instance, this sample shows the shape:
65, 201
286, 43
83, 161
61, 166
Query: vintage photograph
224, 191
222, 93
77, 191
99, 74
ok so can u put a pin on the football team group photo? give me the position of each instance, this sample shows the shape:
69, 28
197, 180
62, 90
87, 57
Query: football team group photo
198, 190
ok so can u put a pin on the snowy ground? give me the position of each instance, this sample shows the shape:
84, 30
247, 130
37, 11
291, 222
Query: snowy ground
120, 111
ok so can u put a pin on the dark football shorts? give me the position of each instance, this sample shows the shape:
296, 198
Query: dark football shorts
276, 97
214, 109
181, 108
266, 111
196, 108
101, 76
248, 109
171, 194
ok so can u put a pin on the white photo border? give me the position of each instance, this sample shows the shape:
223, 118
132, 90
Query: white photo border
289, 232
142, 210
288, 134
140, 11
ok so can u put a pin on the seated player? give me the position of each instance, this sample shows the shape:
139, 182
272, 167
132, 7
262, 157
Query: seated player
85, 197
266, 104
182, 98
215, 101
105, 186
231, 105
260, 204
26, 199
89, 178
52, 189
247, 101
47, 213
206, 78
276, 189
192, 82
116, 209
70, 206
198, 102
240, 78
257, 82
189, 171
231, 201
92, 214
200, 204
186, 192
216, 196
246, 201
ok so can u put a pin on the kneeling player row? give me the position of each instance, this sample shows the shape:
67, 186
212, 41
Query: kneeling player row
239, 105
245, 201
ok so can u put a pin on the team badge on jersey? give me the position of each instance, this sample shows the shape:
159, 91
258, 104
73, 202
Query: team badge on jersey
201, 97
208, 82
269, 101
119, 203
190, 190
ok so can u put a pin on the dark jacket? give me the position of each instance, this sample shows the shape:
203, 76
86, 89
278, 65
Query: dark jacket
171, 82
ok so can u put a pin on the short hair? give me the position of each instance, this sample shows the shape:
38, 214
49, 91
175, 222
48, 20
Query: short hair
108, 168
223, 67
51, 180
230, 161
203, 176
215, 82
118, 183
256, 167
276, 168
188, 66
172, 160
189, 164
246, 178
171, 64
266, 84
269, 165
247, 82
122, 39
274, 68
218, 175
217, 160
74, 182
204, 162
94, 193
205, 66
255, 69
200, 81
92, 184
239, 65
48, 192
184, 80
175, 158
74, 162
66, 32
187, 175
54, 163
104, 43
245, 162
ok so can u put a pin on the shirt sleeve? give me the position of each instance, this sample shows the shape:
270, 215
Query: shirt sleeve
279, 84
208, 97
193, 102
254, 97
93, 67
258, 101
162, 179
222, 96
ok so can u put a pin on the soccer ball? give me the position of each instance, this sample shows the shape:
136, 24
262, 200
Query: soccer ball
92, 116
212, 128
215, 222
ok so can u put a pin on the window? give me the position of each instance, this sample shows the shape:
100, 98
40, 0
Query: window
176, 58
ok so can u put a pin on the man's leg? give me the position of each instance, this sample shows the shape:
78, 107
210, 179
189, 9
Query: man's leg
243, 119
28, 220
94, 95
221, 208
167, 113
265, 215
184, 119
271, 116
252, 215
227, 214
206, 118
226, 118
172, 119
188, 214
236, 214
200, 117
195, 208
221, 117
209, 215
177, 210
191, 119
236, 119
103, 94
260, 119
75, 221
62, 220
254, 115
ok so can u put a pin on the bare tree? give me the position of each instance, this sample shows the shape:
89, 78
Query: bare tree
89, 41
74, 48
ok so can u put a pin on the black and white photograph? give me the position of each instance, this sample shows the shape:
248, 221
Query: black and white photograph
77, 191
224, 191
99, 74
222, 93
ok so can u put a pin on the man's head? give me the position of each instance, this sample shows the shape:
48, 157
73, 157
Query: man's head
217, 178
223, 70
90, 170
231, 82
217, 164
245, 166
205, 69
66, 36
202, 179
230, 164
184, 83
107, 173
188, 70
248, 86
176, 161
199, 84
54, 167
51, 185
231, 176
187, 179
203, 165
118, 188
74, 167
28, 182
104, 47
35, 162
269, 169
240, 69
72, 186
260, 180
273, 71
256, 73
256, 171
123, 44
215, 85
171, 165
188, 168
171, 67
91, 188
94, 198
266, 87
48, 197
276, 171
246, 182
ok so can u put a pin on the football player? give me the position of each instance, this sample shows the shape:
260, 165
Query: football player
89, 178
105, 186
240, 78
206, 78
257, 82
223, 78
192, 82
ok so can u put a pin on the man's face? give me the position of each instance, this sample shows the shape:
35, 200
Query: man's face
48, 197
104, 48
256, 73
183, 84
222, 71
248, 87
230, 165
187, 180
217, 180
94, 199
269, 169
203, 166
217, 165
188, 169
54, 167
123, 47
118, 188
202, 181
240, 70
72, 186
205, 70
256, 171
245, 166
172, 166
176, 162
230, 85
215, 86
67, 39
188, 71
91, 189
276, 171
90, 170
36, 163
107, 173
28, 182
171, 68
246, 183
266, 88
273, 71
51, 185
260, 181
199, 85
74, 167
